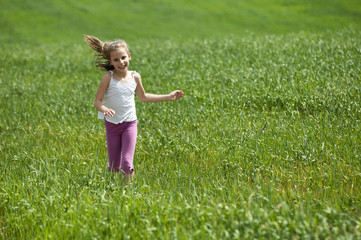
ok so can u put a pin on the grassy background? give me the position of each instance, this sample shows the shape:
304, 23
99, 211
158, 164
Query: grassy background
265, 143
66, 21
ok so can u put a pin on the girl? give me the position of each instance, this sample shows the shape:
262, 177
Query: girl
115, 102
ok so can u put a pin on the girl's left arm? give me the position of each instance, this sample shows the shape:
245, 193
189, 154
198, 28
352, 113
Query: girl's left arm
148, 97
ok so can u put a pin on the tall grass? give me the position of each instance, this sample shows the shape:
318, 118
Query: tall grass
265, 143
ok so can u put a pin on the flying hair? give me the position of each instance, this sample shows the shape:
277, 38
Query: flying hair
103, 50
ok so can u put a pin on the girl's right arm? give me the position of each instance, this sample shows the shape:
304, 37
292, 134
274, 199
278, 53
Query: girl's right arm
100, 94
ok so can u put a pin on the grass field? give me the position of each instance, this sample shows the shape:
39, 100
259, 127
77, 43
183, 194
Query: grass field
265, 143
39, 22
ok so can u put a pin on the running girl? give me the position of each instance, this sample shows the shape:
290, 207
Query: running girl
115, 102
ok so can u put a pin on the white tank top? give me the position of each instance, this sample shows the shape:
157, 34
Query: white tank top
119, 96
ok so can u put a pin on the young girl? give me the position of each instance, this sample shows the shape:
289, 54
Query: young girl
115, 102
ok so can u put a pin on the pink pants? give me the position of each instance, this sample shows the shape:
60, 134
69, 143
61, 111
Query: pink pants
121, 140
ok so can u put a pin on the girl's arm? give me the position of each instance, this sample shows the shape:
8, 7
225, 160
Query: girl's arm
100, 94
148, 97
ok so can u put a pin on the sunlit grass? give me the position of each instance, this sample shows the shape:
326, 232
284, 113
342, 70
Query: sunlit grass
264, 144
52, 21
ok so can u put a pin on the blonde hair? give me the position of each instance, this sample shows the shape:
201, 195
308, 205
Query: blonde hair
104, 49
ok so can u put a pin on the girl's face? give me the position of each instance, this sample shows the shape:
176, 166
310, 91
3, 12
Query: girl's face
120, 59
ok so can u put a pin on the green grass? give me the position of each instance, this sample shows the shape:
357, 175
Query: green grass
65, 21
265, 144
204, 167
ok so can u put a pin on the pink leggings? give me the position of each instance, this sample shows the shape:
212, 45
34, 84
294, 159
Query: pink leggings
121, 139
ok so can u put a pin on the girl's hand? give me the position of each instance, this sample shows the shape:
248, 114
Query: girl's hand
109, 112
176, 95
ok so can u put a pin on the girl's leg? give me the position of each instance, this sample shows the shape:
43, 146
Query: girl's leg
114, 146
129, 138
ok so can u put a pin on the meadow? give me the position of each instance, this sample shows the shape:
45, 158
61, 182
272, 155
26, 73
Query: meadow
265, 144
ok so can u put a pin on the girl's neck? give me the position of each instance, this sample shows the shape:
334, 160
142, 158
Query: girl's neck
121, 74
